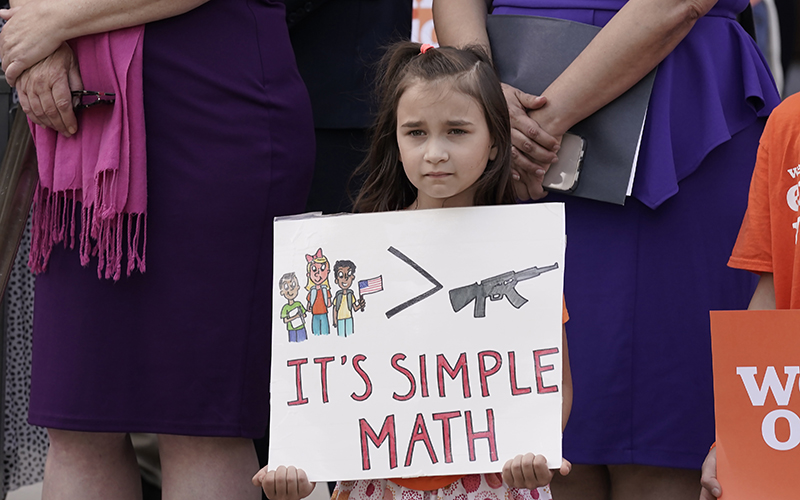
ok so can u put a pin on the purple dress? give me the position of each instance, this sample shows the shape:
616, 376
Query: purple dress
640, 279
185, 347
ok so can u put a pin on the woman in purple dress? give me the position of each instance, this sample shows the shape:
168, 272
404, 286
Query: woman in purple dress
640, 279
182, 349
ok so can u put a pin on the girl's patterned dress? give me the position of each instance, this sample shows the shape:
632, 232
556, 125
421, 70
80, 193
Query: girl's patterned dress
471, 487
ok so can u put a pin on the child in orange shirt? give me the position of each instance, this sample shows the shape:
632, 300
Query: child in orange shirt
767, 242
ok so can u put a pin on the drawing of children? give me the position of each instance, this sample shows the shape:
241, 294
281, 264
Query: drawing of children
345, 303
293, 313
319, 292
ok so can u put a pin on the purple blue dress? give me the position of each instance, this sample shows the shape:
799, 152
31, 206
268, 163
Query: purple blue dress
185, 347
640, 279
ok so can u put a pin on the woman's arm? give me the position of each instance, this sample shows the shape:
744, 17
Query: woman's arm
36, 28
461, 22
636, 39
39, 63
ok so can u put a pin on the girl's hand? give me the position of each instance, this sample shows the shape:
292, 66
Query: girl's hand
45, 91
533, 149
711, 488
284, 483
530, 471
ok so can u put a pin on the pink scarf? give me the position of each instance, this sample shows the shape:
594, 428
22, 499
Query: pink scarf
102, 166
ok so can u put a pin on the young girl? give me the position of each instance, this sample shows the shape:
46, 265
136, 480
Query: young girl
442, 139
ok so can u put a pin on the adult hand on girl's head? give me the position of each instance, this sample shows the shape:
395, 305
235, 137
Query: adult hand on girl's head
45, 91
533, 149
284, 483
711, 488
530, 471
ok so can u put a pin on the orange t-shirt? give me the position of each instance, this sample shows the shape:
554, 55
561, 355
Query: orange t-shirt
429, 483
768, 237
323, 296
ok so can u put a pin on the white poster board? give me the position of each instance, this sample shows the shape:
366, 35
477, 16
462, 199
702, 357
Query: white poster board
454, 364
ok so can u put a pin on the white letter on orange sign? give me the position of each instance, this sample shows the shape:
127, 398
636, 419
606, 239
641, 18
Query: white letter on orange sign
771, 383
768, 430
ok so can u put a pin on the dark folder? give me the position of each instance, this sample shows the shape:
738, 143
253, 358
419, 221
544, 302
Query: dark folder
530, 52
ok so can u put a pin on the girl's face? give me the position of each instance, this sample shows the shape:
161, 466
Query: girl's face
318, 272
444, 144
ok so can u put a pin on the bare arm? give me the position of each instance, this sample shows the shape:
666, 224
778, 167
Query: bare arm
461, 22
638, 37
764, 296
36, 28
39, 63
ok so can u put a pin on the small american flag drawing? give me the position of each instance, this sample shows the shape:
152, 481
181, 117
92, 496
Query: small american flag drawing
371, 285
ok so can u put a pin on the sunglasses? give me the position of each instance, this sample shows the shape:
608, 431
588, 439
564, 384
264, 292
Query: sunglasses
82, 99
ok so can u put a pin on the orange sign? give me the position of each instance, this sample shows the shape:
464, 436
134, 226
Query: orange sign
757, 401
422, 22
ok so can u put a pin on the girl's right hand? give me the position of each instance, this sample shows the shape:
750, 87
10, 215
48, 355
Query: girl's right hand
530, 471
284, 483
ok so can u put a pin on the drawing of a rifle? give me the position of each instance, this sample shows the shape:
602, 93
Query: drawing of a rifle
495, 288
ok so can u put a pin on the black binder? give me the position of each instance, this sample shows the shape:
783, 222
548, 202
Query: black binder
530, 52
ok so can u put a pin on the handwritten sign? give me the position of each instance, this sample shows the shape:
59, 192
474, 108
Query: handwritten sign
756, 367
417, 342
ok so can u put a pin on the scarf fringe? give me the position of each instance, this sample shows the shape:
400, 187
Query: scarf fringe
54, 222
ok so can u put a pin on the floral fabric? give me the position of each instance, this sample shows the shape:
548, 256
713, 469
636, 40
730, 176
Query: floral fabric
471, 487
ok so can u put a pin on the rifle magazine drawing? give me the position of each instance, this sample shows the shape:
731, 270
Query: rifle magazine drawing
495, 288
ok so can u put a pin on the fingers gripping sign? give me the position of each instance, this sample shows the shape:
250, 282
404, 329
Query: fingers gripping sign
284, 483
530, 471
711, 488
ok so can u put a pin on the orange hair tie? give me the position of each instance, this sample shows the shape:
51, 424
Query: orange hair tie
425, 47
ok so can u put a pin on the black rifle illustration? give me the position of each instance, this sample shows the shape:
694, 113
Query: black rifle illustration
495, 288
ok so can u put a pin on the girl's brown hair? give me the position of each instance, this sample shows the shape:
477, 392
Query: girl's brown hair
468, 70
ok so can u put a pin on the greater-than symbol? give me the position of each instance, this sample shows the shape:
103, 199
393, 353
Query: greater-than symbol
436, 285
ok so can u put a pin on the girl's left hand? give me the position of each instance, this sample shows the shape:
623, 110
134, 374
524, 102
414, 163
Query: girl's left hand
530, 471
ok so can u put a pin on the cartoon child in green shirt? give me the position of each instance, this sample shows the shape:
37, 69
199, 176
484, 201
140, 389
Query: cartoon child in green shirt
293, 313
